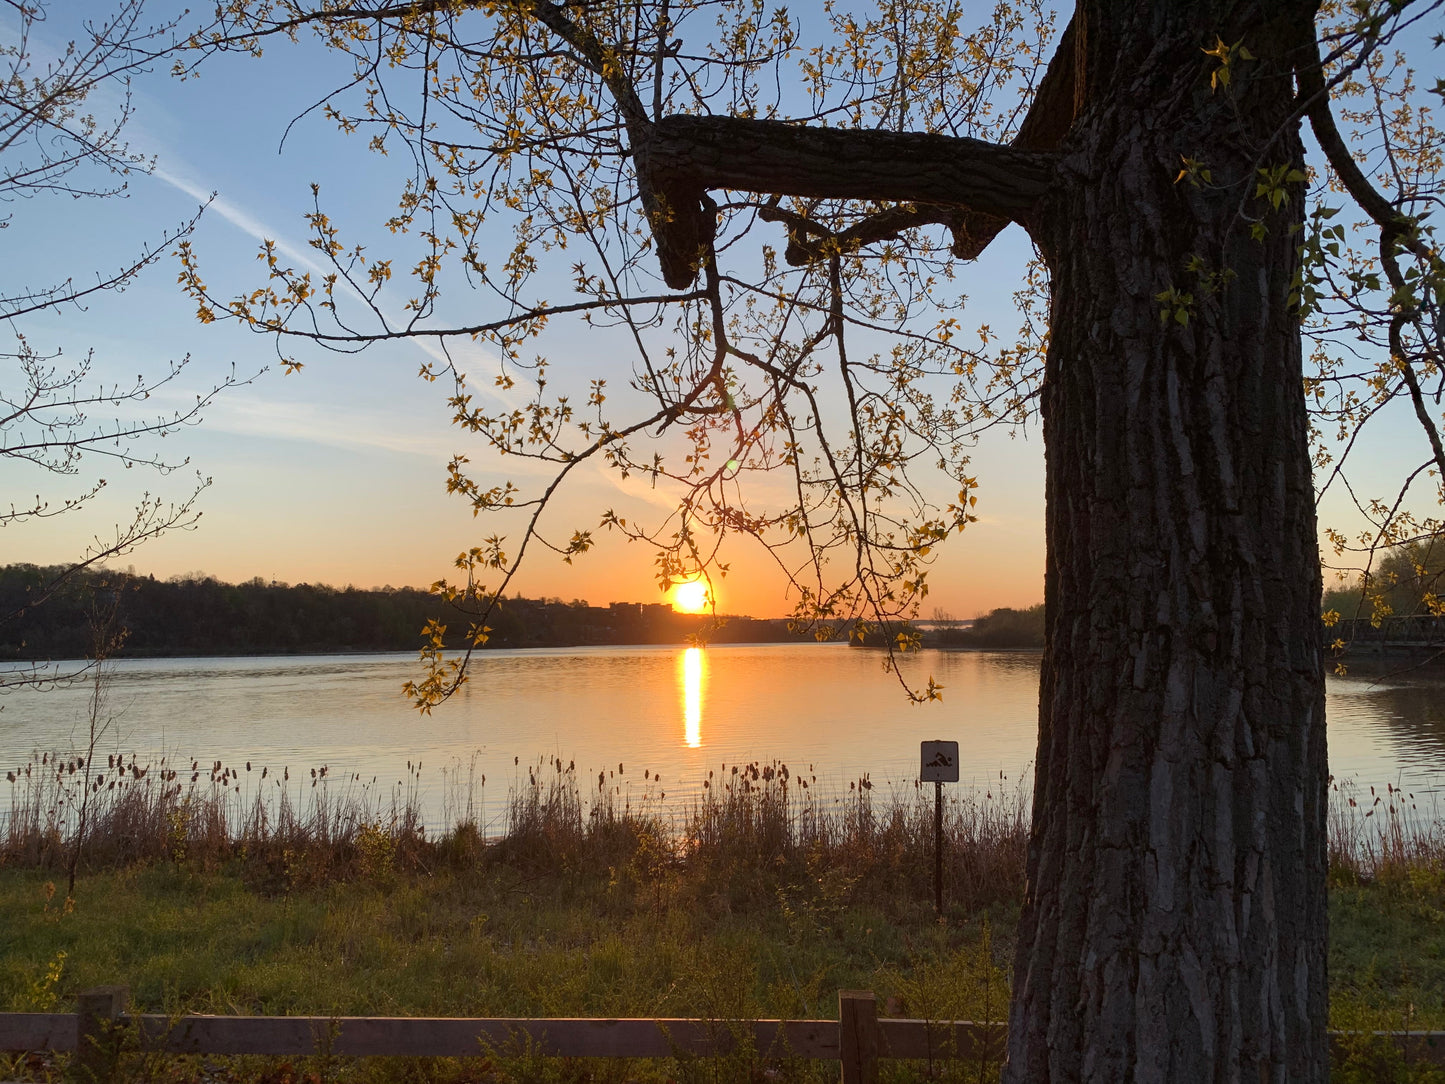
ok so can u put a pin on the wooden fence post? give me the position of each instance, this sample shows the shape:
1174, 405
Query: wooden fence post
858, 1036
97, 1011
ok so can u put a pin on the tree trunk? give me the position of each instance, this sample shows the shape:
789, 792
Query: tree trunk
1174, 926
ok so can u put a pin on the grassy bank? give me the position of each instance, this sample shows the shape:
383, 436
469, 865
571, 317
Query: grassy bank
752, 825
757, 902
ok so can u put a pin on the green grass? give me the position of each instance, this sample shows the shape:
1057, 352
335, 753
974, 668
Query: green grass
498, 940
491, 942
494, 941
756, 905
759, 902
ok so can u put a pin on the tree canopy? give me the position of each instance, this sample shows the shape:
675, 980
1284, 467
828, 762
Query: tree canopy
549, 142
837, 361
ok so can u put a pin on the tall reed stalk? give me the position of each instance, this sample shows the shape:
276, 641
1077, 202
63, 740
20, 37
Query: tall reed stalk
749, 822
754, 827
1386, 834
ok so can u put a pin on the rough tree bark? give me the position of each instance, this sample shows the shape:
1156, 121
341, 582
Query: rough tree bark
1174, 921
1174, 926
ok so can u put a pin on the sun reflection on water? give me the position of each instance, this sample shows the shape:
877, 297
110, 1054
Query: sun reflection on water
692, 670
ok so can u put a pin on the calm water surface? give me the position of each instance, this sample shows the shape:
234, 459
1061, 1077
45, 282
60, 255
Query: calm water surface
825, 710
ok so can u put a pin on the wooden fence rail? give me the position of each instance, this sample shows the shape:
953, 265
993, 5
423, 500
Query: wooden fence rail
857, 1039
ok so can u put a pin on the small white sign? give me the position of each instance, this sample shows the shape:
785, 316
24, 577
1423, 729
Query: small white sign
939, 762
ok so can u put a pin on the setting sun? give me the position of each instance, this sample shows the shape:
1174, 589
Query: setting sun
690, 597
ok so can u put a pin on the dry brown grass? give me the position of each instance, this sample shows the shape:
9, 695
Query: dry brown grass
207, 814
1383, 834
753, 828
758, 827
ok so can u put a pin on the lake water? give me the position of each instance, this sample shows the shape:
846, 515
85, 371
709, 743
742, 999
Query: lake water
660, 716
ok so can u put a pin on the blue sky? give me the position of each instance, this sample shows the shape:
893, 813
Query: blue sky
337, 474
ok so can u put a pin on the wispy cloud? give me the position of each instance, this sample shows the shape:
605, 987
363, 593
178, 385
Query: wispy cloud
300, 256
236, 216
249, 415
254, 416
342, 427
637, 486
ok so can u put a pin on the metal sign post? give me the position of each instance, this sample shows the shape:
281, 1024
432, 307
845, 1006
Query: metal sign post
938, 764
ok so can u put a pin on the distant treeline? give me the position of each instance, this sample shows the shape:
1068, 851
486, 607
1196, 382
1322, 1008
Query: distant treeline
996, 630
999, 628
202, 616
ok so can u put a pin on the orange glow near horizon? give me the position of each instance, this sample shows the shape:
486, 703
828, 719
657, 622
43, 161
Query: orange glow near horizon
690, 597
692, 697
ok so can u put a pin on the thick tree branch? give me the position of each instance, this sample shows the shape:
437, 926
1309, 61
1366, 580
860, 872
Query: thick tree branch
1397, 230
808, 241
1412, 382
1386, 215
684, 156
1050, 115
796, 160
